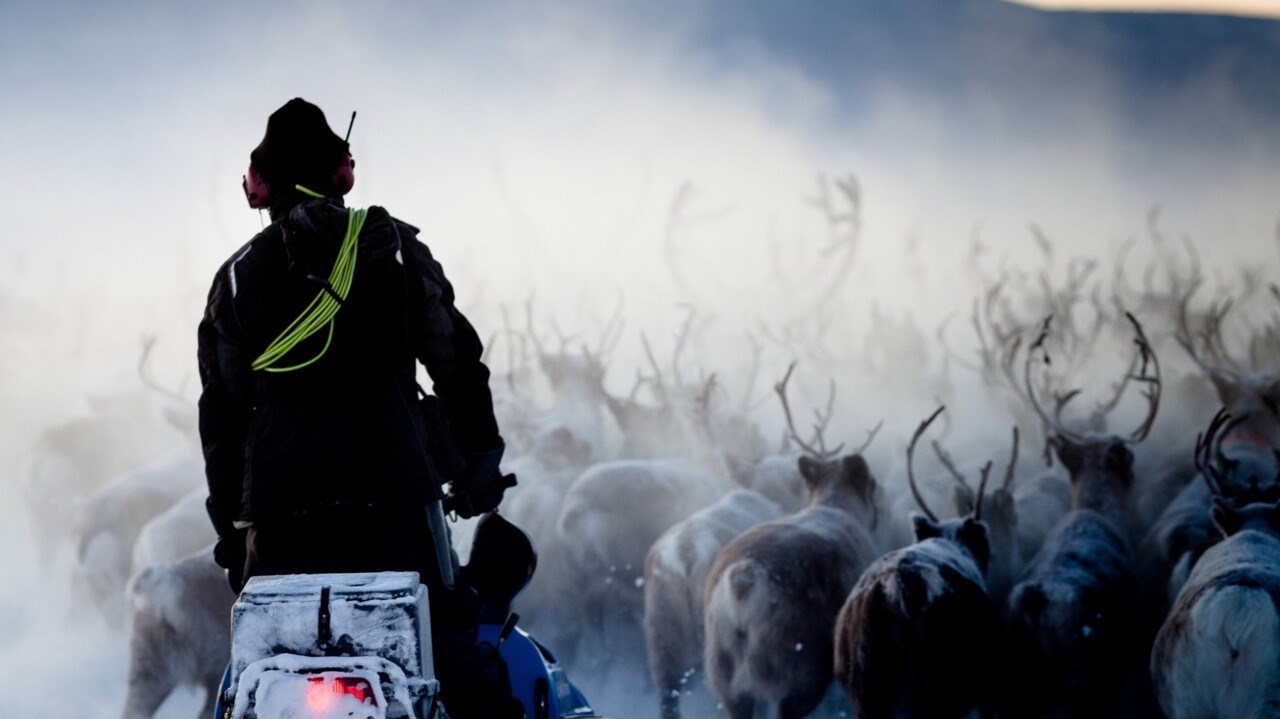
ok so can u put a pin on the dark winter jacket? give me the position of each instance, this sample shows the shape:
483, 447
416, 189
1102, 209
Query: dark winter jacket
345, 429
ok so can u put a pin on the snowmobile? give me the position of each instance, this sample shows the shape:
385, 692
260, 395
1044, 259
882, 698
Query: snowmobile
357, 646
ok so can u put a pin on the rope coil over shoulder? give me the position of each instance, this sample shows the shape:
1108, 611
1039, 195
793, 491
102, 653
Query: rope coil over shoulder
322, 310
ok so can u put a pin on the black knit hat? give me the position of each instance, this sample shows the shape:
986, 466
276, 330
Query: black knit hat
299, 147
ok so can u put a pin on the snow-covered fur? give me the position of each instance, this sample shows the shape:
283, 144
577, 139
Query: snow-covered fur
180, 632
774, 592
1184, 529
675, 580
775, 476
918, 635
1074, 632
109, 521
1218, 652
614, 512
178, 532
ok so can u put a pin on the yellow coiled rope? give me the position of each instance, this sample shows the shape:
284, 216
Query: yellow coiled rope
320, 313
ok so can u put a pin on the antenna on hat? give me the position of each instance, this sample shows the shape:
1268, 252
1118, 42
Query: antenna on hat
349, 126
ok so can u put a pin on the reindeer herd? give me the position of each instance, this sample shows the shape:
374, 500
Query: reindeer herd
1125, 573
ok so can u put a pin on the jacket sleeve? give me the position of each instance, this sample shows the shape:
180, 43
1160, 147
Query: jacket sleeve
447, 344
225, 406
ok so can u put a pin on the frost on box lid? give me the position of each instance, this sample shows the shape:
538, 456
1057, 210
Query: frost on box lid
370, 614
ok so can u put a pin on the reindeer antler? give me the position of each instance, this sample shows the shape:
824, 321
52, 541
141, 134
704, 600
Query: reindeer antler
982, 489
1216, 360
819, 427
1013, 461
1152, 382
1052, 425
871, 435
610, 335
945, 458
149, 343
1209, 447
911, 452
1148, 374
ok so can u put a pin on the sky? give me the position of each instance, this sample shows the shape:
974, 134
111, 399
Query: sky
580, 156
1253, 8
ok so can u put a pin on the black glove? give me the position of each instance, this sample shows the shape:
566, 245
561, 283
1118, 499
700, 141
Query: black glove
480, 488
232, 550
230, 553
479, 500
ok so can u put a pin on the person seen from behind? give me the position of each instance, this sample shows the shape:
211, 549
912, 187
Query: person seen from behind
317, 455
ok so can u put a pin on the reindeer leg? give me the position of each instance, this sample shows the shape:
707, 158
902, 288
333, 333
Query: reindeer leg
798, 705
740, 708
150, 677
146, 692
670, 689
210, 702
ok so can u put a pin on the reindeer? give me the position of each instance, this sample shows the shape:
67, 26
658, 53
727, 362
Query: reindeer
678, 563
1248, 393
683, 420
110, 520
675, 582
1074, 633
1218, 653
576, 381
1184, 530
615, 510
662, 429
175, 533
773, 593
918, 635
611, 514
78, 457
1043, 498
1000, 515
179, 634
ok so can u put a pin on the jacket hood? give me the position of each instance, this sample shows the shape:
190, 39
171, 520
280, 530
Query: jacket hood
314, 231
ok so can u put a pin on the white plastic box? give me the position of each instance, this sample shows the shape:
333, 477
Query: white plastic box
375, 615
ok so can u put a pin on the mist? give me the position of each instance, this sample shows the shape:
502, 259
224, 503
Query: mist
578, 161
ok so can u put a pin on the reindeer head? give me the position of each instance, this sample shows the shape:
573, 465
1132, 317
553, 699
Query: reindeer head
845, 482
1235, 507
970, 530
1258, 516
567, 372
580, 374
967, 532
1100, 465
559, 448
1244, 389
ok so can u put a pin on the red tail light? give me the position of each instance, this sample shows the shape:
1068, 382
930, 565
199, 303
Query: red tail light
320, 692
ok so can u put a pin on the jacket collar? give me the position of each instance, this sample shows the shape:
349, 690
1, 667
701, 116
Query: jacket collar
291, 198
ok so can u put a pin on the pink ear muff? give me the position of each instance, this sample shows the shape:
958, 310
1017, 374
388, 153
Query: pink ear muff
344, 178
256, 190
